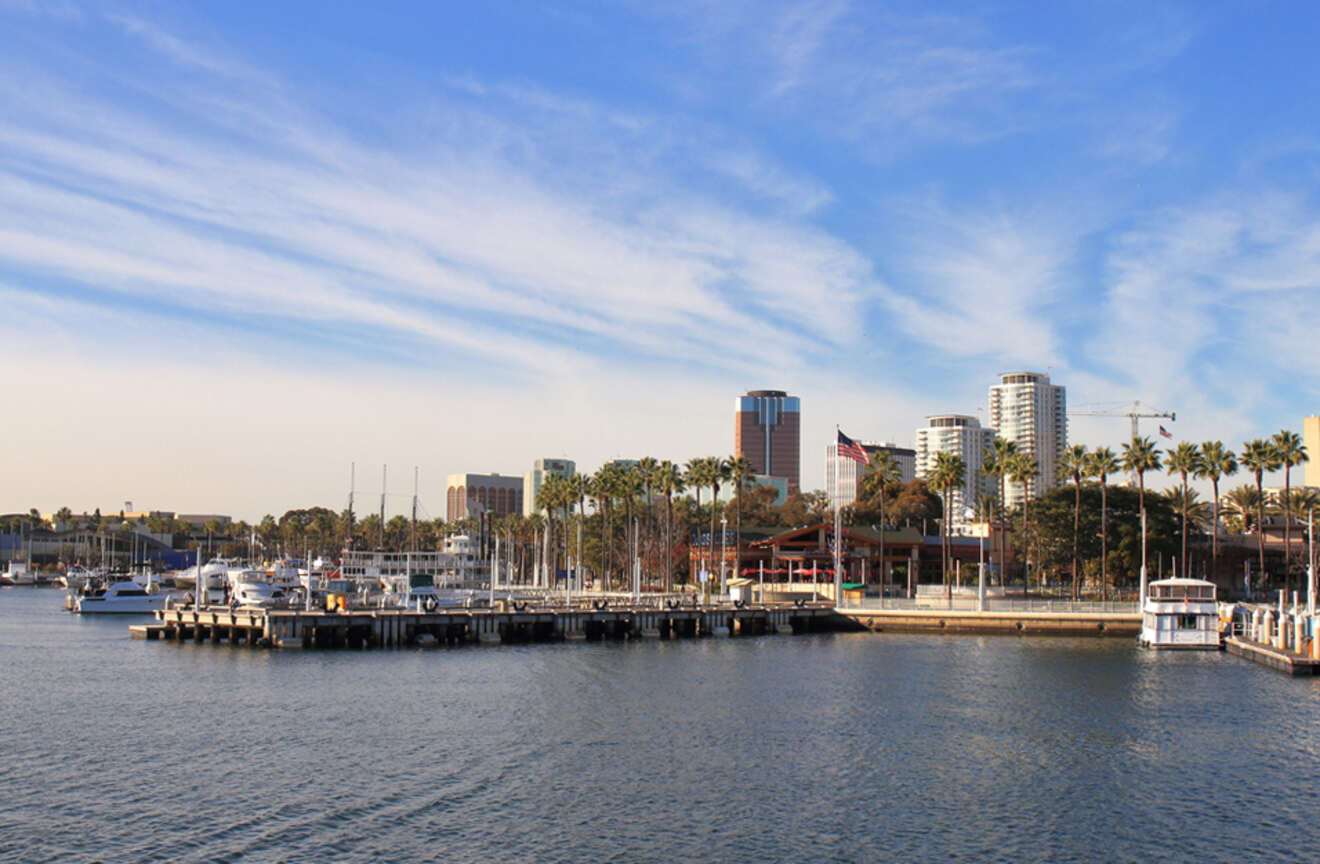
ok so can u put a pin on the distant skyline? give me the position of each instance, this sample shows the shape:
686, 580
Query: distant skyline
245, 245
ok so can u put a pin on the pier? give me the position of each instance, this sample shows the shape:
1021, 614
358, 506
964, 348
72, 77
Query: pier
1022, 617
395, 628
1281, 638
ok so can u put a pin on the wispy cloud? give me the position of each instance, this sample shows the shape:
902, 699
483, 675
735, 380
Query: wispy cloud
492, 253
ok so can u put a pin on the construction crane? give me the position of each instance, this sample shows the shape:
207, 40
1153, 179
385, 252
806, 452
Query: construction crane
1133, 411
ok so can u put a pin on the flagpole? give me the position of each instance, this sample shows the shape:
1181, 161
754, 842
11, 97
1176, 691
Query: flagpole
838, 576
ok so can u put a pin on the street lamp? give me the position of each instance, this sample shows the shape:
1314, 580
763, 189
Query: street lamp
724, 549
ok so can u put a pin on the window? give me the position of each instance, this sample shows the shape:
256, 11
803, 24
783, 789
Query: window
1187, 622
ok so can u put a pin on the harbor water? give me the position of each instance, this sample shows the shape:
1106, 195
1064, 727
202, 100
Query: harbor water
842, 747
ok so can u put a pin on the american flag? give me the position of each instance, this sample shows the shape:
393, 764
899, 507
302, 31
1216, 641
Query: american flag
1165, 432
851, 449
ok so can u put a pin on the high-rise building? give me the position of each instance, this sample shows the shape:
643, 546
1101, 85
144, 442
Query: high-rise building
851, 471
1311, 440
966, 438
1028, 410
767, 430
533, 479
474, 494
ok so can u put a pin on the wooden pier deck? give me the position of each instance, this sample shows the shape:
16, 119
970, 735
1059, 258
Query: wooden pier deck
394, 628
1281, 659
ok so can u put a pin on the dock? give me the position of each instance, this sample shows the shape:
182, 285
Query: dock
1020, 622
396, 628
1275, 658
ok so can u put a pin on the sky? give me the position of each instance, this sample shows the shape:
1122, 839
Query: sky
244, 247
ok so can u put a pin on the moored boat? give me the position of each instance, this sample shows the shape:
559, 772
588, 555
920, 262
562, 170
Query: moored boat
125, 597
1180, 613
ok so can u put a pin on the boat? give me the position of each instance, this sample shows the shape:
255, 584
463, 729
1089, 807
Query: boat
17, 573
250, 587
421, 595
124, 596
1180, 613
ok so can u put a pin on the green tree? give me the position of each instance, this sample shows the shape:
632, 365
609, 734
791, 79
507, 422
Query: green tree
669, 482
740, 472
1101, 463
1259, 456
880, 471
997, 462
1288, 451
949, 473
1022, 469
1217, 461
1183, 460
1072, 463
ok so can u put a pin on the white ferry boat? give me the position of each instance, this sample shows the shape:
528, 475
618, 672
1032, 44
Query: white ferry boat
1180, 613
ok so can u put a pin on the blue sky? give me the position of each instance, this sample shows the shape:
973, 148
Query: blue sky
244, 245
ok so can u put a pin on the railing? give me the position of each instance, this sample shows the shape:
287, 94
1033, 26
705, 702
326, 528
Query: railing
995, 604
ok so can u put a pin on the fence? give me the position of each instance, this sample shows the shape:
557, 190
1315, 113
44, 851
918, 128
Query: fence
993, 604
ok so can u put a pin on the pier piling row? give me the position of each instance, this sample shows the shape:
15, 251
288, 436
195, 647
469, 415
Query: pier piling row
376, 628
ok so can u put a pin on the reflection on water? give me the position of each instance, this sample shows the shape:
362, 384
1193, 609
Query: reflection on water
858, 747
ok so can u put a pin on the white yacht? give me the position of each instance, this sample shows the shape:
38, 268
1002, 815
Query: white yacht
1180, 613
419, 593
17, 573
124, 597
252, 588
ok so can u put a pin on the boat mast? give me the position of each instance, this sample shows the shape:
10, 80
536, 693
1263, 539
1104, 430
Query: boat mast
352, 482
384, 473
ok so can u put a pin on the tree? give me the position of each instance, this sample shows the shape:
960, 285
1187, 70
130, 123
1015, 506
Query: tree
997, 462
1288, 451
1183, 460
1022, 468
701, 473
949, 473
1243, 501
1259, 456
740, 471
879, 472
669, 481
1072, 462
1101, 464
1216, 461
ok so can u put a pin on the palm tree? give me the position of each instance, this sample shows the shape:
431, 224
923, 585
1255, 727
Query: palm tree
1216, 461
719, 473
949, 472
1022, 469
1072, 462
1101, 464
996, 462
699, 474
1140, 456
1183, 460
1259, 456
1243, 501
881, 470
1288, 451
740, 471
668, 481
646, 468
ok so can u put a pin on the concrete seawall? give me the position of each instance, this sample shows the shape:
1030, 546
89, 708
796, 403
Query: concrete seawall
1025, 623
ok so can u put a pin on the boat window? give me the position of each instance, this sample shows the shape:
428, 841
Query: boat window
129, 592
1187, 622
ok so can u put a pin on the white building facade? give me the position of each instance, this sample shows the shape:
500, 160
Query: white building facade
851, 471
965, 437
534, 479
1028, 410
